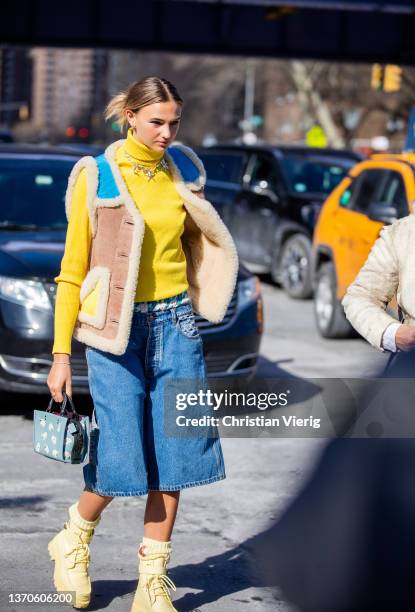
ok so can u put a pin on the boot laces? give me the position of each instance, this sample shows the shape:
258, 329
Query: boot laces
80, 553
159, 584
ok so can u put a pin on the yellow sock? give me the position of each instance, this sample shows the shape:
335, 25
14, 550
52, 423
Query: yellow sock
148, 545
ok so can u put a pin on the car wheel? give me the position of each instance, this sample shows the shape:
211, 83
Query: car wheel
295, 273
328, 311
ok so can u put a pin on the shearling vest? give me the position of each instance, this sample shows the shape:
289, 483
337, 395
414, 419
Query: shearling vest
108, 291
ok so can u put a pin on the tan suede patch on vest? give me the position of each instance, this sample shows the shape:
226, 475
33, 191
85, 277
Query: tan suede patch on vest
111, 247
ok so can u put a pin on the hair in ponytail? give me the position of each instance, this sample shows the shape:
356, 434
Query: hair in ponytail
148, 90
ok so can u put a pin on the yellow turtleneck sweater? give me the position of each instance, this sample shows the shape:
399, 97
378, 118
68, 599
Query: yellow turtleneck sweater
162, 271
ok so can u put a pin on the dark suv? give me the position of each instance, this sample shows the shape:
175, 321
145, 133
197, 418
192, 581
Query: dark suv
270, 198
33, 225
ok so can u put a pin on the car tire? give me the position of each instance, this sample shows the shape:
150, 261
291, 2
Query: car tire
295, 268
328, 312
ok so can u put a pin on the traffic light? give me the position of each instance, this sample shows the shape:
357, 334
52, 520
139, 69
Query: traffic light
70, 131
377, 77
392, 78
386, 77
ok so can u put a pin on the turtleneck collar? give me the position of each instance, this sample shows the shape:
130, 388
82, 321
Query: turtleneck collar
140, 151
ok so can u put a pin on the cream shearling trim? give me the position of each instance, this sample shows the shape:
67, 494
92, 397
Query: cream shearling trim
201, 180
90, 165
118, 344
98, 273
111, 345
109, 202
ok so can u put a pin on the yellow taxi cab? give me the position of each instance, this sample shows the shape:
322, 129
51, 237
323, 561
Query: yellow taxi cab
375, 192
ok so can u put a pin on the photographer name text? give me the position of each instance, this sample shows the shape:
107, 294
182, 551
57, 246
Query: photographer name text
247, 421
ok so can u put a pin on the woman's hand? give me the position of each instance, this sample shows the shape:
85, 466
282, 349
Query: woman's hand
60, 376
405, 338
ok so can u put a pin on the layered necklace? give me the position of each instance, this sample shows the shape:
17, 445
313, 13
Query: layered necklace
142, 169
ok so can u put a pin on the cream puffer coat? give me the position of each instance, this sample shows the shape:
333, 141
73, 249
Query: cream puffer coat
388, 271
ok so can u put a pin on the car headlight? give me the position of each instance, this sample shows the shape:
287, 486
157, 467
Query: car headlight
248, 290
26, 293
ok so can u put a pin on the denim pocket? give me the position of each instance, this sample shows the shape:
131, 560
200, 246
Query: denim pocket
186, 324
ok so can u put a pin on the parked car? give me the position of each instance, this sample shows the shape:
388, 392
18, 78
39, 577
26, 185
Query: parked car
376, 192
82, 148
270, 198
33, 225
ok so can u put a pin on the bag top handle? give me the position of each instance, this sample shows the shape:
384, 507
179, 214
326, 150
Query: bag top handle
63, 409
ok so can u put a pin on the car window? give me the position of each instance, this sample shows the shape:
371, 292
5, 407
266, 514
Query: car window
227, 167
264, 170
346, 197
368, 187
33, 191
393, 193
305, 174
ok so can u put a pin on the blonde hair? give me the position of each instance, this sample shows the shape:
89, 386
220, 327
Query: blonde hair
148, 90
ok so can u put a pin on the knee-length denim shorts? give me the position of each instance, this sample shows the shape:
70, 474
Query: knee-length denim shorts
131, 453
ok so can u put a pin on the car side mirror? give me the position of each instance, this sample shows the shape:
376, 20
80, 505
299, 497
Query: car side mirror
262, 188
379, 211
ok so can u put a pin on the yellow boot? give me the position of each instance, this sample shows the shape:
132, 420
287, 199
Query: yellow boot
152, 594
70, 551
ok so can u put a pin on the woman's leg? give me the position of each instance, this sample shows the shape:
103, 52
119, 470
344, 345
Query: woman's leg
91, 505
154, 553
69, 548
160, 514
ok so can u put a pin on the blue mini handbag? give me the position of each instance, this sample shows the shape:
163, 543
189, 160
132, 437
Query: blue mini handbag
62, 434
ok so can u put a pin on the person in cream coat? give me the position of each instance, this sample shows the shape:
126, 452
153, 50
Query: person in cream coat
388, 271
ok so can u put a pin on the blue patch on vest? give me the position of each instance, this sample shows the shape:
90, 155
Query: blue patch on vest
190, 172
107, 187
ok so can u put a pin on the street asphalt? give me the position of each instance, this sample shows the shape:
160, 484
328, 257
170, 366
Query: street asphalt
212, 564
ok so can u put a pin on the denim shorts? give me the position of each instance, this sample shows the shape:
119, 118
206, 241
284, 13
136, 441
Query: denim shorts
131, 455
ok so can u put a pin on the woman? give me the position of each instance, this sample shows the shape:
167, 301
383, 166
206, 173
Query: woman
143, 249
388, 271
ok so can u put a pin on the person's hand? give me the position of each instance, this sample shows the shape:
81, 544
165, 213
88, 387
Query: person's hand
60, 376
405, 338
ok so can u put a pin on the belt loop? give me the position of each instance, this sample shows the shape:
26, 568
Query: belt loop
173, 315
